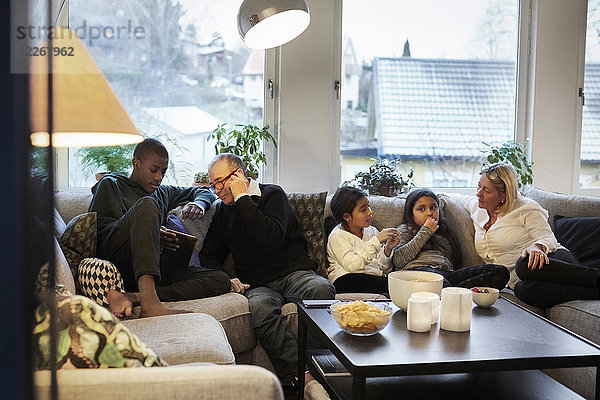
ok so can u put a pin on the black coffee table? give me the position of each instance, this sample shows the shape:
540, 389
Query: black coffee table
506, 343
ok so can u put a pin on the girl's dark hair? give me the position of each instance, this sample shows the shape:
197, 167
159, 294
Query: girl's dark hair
443, 229
344, 200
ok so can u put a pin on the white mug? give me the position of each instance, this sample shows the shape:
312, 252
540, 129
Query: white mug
435, 304
456, 309
418, 318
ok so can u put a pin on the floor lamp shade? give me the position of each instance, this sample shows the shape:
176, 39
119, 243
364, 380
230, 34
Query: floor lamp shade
86, 111
270, 23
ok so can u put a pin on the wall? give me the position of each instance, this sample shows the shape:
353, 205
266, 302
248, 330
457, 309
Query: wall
554, 105
308, 109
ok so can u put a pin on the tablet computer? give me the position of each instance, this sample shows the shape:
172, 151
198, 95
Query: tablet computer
181, 256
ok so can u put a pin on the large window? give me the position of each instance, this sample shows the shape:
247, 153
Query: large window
428, 82
589, 173
180, 70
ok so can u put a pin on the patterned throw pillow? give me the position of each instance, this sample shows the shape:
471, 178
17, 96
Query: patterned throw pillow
79, 241
89, 336
97, 277
310, 211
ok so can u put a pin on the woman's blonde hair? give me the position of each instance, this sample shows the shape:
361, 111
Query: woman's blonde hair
504, 178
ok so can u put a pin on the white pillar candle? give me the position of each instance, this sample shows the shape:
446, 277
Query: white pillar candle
435, 304
456, 309
418, 317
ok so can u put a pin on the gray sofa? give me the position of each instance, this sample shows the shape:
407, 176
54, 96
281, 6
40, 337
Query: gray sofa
231, 310
581, 317
205, 349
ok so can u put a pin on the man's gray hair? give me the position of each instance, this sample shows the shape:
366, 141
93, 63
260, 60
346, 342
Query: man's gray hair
232, 160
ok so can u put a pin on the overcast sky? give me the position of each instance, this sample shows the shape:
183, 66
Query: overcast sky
434, 28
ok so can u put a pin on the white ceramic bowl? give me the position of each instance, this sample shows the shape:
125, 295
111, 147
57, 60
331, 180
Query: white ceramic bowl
485, 300
361, 323
401, 284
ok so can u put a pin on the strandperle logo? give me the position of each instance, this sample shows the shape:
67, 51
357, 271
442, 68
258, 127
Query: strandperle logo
86, 32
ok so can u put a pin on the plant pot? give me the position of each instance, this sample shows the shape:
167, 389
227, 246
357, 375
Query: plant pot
99, 175
386, 191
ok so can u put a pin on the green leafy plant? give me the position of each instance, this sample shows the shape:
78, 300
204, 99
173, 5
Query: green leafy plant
118, 158
201, 177
244, 141
383, 178
511, 153
105, 159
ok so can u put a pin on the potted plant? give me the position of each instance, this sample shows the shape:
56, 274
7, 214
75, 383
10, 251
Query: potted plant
244, 141
383, 178
511, 153
101, 160
201, 179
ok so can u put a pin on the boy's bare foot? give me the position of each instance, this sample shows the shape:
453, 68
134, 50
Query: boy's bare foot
158, 309
151, 305
121, 304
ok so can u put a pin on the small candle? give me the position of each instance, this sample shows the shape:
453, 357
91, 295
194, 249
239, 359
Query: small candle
418, 317
435, 304
456, 309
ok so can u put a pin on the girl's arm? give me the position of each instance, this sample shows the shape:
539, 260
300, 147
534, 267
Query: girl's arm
409, 247
352, 256
384, 259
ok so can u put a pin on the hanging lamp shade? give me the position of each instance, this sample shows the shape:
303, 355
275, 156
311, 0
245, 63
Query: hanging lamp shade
270, 23
86, 111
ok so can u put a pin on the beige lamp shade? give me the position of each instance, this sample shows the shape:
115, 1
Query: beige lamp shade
86, 111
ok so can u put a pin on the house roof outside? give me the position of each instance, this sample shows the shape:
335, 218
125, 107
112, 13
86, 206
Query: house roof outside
590, 126
431, 108
187, 120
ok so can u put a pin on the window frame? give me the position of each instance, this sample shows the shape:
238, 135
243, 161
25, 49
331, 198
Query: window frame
555, 151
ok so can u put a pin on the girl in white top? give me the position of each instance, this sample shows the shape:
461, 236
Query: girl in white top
359, 255
513, 230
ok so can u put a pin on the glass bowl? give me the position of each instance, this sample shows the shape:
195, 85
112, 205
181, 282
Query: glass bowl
361, 318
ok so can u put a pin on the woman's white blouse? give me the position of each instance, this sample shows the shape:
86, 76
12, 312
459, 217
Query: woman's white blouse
347, 253
503, 243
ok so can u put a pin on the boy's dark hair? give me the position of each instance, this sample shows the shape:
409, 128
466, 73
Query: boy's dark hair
344, 200
443, 230
150, 146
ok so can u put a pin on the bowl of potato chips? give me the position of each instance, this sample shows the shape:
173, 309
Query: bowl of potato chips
361, 318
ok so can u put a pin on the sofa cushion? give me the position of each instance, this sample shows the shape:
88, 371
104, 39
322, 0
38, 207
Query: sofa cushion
97, 277
59, 224
580, 236
63, 275
62, 270
583, 318
564, 204
231, 310
460, 224
185, 382
579, 316
310, 211
79, 241
71, 203
184, 338
199, 227
89, 336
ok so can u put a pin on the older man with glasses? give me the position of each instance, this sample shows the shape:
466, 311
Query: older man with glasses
256, 223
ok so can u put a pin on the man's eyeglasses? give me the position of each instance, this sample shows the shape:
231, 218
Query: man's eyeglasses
221, 184
491, 173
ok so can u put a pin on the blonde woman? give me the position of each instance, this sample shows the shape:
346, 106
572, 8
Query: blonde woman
513, 230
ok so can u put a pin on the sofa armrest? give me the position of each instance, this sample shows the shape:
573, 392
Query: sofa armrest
218, 382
